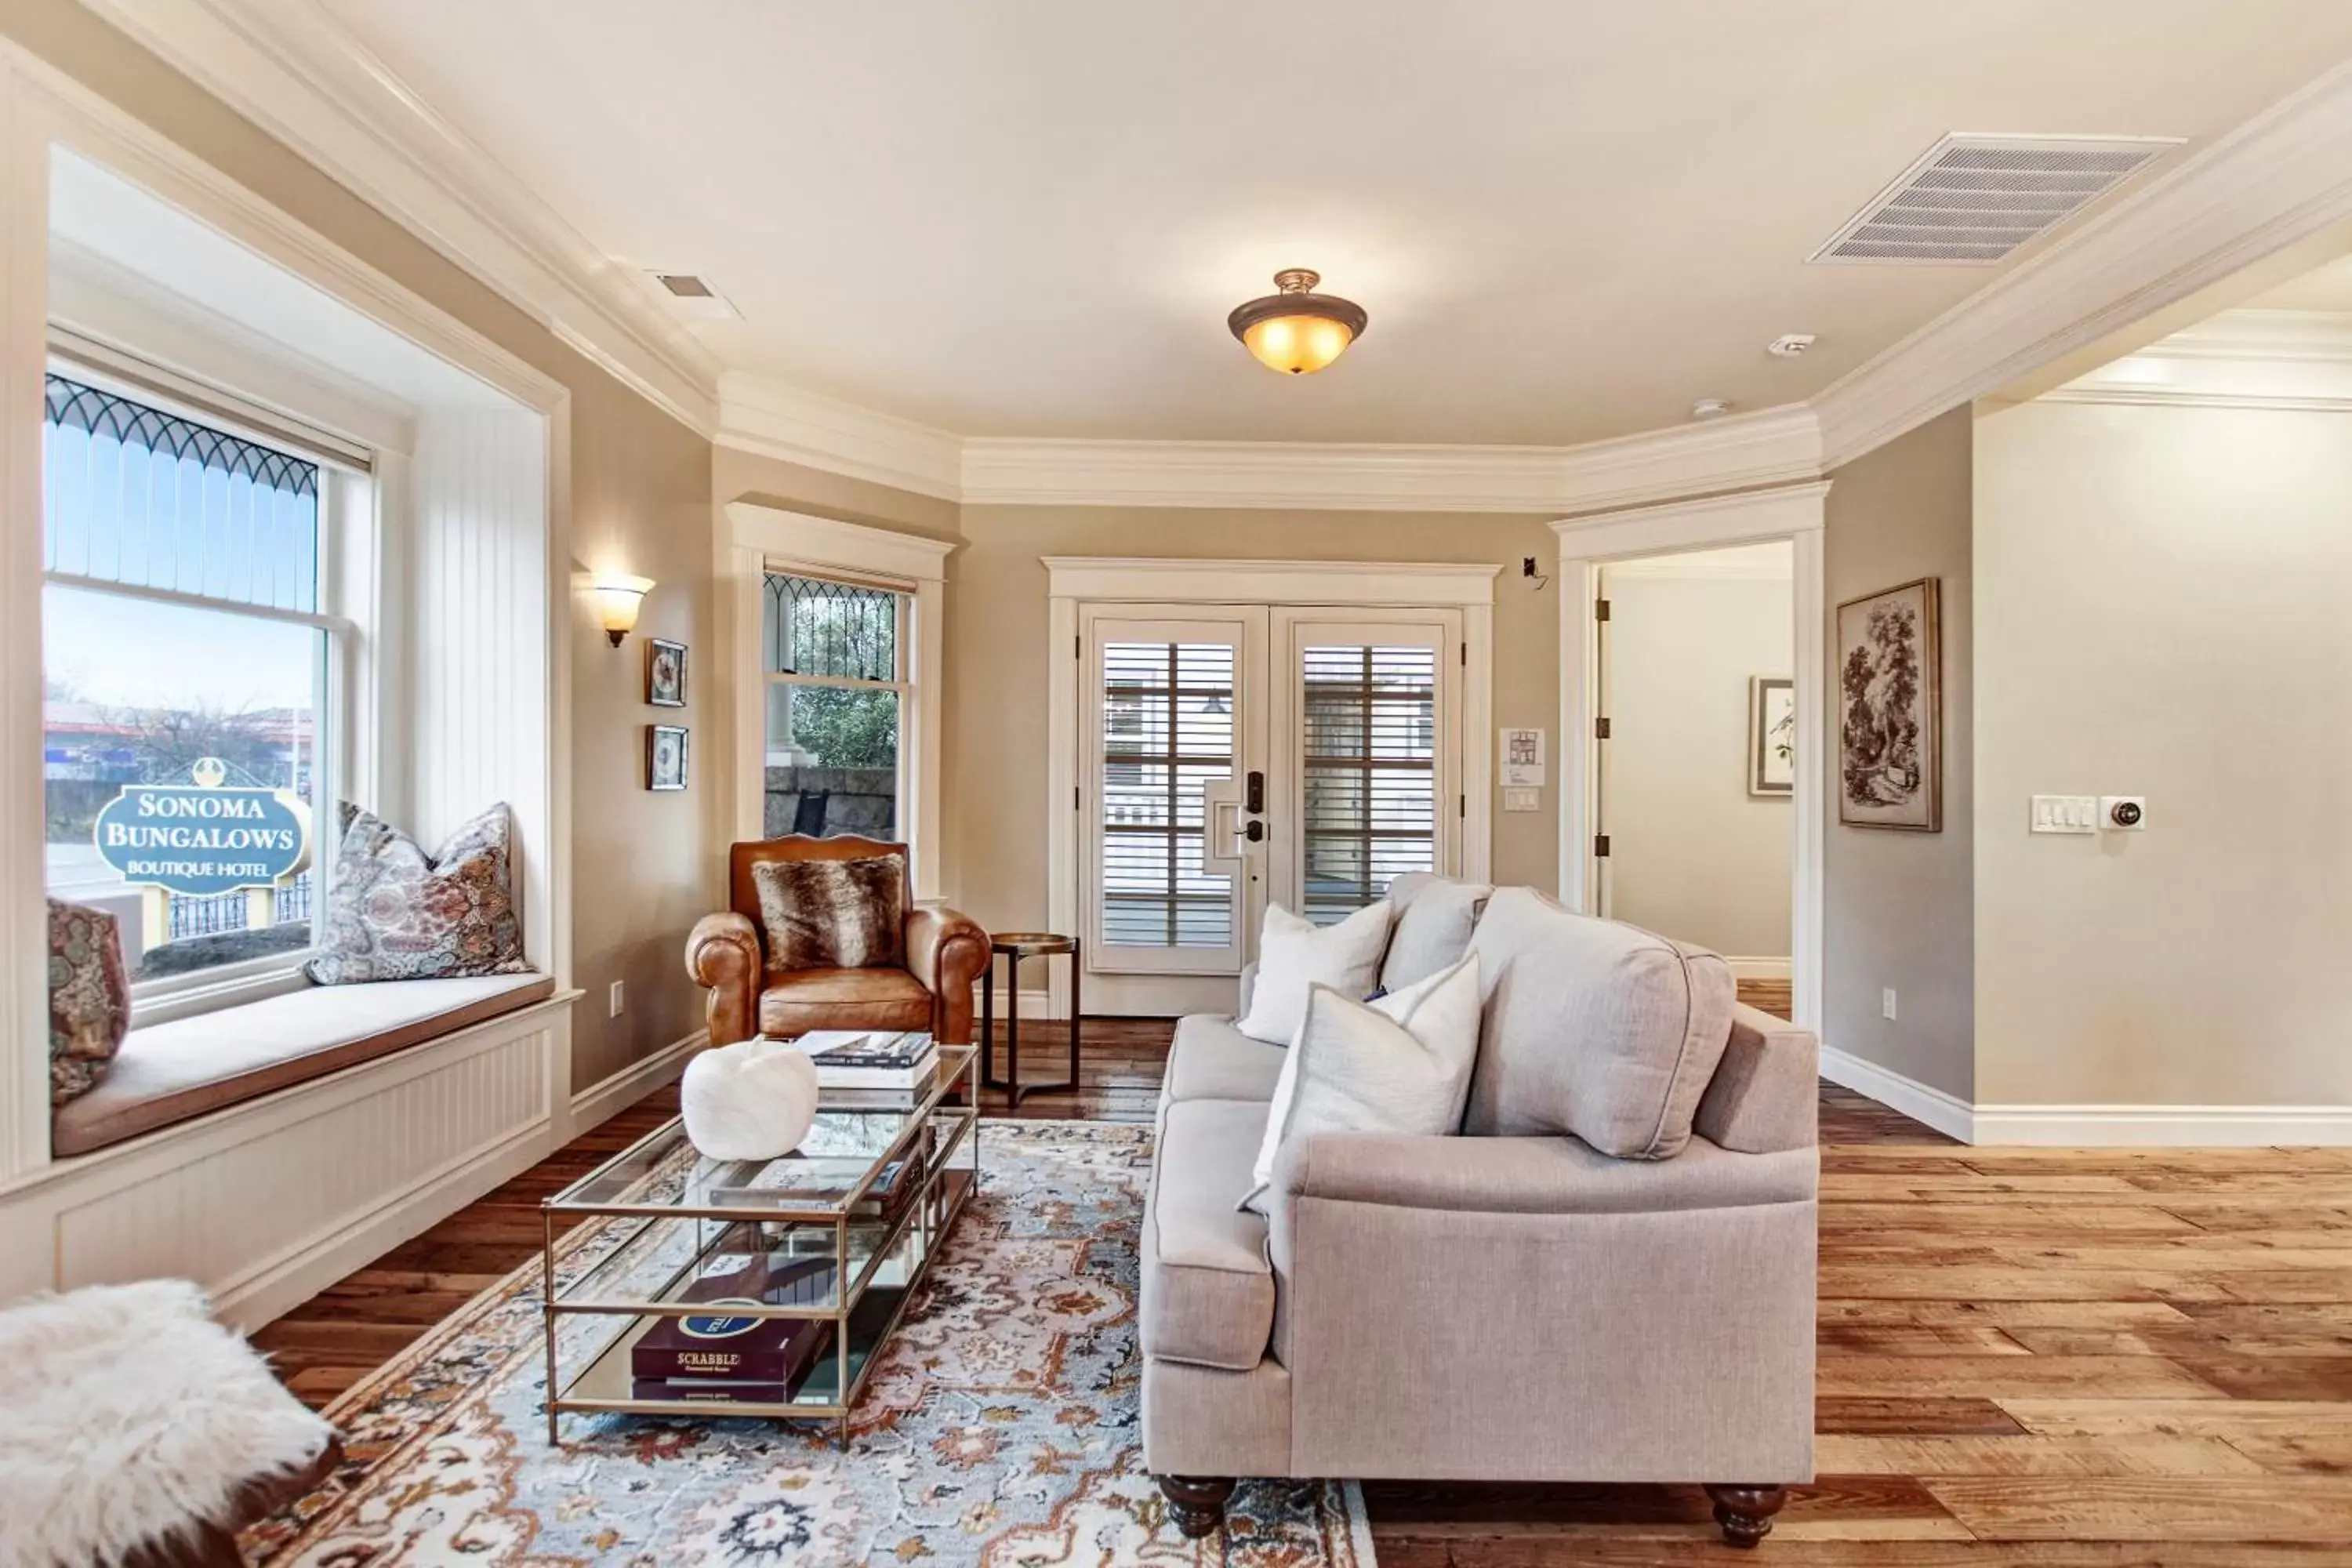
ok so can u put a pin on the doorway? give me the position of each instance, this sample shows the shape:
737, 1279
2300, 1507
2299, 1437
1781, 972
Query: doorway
1589, 548
1225, 755
1695, 748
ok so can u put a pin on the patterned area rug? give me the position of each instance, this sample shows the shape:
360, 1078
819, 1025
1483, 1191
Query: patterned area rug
1001, 1426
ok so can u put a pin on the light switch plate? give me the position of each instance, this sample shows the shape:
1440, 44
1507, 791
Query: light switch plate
1516, 798
2065, 814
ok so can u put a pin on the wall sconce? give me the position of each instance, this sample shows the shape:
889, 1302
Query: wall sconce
618, 598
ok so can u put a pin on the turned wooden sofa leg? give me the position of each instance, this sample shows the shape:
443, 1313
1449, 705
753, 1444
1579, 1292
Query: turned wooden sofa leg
1197, 1503
1745, 1513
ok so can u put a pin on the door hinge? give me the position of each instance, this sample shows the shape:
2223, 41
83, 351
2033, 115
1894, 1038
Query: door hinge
1077, 647
1600, 609
1600, 729
1462, 805
1465, 656
1074, 797
1601, 846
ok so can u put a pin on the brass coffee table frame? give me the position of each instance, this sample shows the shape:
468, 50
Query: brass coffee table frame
1014, 946
863, 1316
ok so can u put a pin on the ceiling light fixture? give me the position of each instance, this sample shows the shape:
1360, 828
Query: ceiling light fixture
1298, 329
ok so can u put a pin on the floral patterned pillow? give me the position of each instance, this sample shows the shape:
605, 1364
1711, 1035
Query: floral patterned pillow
90, 998
396, 913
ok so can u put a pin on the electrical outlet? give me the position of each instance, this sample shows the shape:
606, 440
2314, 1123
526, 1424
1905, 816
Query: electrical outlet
1886, 1002
617, 1000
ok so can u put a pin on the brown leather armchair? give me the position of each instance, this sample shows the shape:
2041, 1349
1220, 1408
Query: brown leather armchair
946, 952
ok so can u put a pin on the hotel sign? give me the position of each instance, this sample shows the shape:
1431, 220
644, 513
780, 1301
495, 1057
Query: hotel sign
203, 838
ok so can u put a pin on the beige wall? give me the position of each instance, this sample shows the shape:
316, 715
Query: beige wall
1897, 906
1692, 854
640, 496
999, 661
2161, 595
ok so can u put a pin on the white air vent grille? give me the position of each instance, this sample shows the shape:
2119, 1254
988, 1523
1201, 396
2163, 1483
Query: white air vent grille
692, 296
1972, 199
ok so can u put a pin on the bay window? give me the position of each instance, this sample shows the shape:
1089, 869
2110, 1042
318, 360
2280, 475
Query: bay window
188, 664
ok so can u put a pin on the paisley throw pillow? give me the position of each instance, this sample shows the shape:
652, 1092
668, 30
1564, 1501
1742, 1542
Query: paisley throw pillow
396, 913
90, 998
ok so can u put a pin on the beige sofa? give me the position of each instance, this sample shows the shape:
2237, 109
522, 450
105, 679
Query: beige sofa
1514, 1304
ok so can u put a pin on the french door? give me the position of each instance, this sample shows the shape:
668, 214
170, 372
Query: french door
1233, 755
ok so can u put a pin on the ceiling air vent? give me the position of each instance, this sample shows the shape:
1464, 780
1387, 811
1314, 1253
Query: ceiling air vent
694, 297
1973, 199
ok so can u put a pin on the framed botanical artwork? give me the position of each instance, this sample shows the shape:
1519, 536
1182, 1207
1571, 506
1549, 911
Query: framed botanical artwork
1890, 769
665, 673
664, 756
1772, 735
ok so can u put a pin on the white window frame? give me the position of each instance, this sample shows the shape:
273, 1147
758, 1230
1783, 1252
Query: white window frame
755, 540
902, 625
346, 519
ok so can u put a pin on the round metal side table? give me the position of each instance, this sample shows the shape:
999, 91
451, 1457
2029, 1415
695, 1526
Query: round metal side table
1016, 945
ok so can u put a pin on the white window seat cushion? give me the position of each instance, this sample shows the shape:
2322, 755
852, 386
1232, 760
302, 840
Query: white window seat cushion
171, 1072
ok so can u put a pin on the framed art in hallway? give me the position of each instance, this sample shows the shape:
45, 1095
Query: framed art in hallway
1891, 710
1772, 735
665, 673
664, 756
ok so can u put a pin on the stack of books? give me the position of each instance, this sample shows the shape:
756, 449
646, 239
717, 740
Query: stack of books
879, 1061
727, 1358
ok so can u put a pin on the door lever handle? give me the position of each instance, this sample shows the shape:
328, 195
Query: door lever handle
1254, 831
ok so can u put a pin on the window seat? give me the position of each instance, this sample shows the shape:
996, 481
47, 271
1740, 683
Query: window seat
190, 1067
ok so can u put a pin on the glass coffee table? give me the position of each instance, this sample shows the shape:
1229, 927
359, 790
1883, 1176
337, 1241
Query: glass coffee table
854, 1217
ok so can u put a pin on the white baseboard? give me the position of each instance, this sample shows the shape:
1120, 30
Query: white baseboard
1761, 968
1947, 1113
2165, 1126
2093, 1126
1037, 1004
607, 1098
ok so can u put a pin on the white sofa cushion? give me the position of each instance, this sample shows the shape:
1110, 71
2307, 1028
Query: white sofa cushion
1399, 1064
1435, 918
1295, 954
1592, 1027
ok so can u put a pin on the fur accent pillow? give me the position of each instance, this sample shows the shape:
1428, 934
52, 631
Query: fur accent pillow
834, 914
1400, 1064
90, 998
396, 913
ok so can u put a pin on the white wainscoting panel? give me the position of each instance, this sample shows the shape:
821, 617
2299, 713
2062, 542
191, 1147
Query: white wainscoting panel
235, 1218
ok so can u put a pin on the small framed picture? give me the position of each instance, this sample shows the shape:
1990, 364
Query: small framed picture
664, 756
1772, 735
665, 673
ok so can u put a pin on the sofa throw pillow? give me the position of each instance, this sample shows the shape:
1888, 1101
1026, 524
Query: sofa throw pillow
834, 914
1604, 1030
1398, 1065
1434, 917
1295, 954
394, 913
90, 998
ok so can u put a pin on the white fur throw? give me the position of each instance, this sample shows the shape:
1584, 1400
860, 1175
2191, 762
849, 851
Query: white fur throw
128, 1415
755, 1099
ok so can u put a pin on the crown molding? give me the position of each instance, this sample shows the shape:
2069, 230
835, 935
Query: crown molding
290, 67
758, 415
1766, 447
2280, 177
292, 70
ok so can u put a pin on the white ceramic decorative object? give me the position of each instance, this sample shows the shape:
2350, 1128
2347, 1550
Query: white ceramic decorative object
753, 1101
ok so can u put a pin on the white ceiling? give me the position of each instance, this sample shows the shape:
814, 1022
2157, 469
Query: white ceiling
1568, 218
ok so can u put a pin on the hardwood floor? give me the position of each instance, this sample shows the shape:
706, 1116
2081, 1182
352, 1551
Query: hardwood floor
2061, 1358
